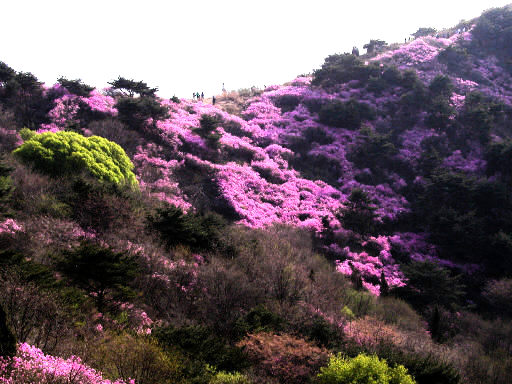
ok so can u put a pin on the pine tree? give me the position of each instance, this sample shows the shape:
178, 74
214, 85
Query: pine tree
7, 339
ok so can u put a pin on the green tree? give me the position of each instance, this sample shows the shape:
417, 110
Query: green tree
76, 87
358, 213
65, 153
430, 284
6, 73
103, 273
134, 112
362, 369
200, 232
375, 46
499, 158
441, 86
23, 94
424, 32
348, 114
341, 68
130, 87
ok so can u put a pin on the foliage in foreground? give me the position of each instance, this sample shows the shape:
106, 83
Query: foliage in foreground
362, 369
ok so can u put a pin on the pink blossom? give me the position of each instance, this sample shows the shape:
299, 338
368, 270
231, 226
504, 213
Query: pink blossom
31, 365
10, 227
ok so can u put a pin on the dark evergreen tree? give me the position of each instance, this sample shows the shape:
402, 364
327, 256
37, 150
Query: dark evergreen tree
7, 339
105, 274
76, 87
384, 287
358, 213
134, 112
130, 87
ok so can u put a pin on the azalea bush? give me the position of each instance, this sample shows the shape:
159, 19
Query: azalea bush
31, 365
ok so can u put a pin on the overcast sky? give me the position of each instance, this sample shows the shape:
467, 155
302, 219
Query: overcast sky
187, 46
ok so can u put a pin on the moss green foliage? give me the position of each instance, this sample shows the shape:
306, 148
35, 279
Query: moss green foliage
66, 153
362, 369
7, 339
229, 378
26, 134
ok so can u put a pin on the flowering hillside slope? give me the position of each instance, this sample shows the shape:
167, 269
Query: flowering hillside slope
289, 159
364, 208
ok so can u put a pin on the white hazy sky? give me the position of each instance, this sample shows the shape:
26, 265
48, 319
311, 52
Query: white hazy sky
186, 46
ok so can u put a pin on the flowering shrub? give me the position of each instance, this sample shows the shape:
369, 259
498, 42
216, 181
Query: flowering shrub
31, 365
374, 270
10, 227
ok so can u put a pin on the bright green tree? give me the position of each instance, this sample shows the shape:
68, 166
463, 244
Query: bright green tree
64, 153
362, 369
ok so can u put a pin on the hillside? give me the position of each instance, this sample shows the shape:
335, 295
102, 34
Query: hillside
364, 209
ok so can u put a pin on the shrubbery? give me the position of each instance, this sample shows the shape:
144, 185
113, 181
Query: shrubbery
199, 232
66, 153
289, 359
348, 114
338, 69
493, 31
362, 370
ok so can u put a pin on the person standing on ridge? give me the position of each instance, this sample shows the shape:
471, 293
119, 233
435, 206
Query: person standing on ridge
202, 95
213, 100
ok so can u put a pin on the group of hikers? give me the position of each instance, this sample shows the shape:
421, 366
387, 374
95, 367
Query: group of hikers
200, 96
